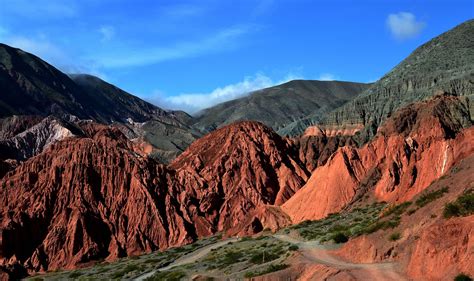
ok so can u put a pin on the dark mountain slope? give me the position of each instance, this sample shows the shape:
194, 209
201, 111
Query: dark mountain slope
444, 64
280, 106
30, 86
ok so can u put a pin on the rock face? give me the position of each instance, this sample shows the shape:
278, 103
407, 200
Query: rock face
444, 249
445, 63
235, 169
85, 199
315, 150
288, 108
35, 139
162, 141
431, 247
94, 197
416, 146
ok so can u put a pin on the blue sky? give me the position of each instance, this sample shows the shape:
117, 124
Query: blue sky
193, 54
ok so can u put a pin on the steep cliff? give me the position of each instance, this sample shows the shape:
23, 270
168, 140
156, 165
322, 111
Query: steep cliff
416, 146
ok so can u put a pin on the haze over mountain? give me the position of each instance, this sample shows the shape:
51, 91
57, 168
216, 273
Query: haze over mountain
288, 108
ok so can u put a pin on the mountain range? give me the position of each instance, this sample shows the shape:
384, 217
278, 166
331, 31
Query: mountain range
91, 176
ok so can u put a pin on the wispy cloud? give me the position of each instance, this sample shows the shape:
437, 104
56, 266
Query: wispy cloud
404, 25
44, 48
197, 101
224, 39
107, 32
327, 77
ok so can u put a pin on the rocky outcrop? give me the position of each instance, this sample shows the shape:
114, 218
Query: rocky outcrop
444, 249
430, 247
264, 217
13, 125
416, 146
85, 199
162, 141
35, 139
315, 150
235, 169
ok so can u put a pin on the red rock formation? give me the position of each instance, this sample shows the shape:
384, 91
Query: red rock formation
314, 151
431, 247
263, 217
414, 148
94, 197
87, 199
230, 172
444, 249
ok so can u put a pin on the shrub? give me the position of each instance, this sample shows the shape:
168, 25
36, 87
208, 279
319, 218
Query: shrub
293, 248
75, 274
430, 196
382, 225
463, 206
394, 236
269, 269
340, 238
167, 275
396, 209
263, 257
127, 269
462, 277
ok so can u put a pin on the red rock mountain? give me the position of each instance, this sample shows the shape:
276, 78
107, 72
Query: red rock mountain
95, 197
416, 146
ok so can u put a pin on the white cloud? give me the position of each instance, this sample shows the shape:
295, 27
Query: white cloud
197, 101
127, 57
40, 47
327, 77
404, 25
107, 32
43, 48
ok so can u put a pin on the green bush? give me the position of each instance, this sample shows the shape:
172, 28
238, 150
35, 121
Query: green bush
127, 269
167, 275
394, 236
263, 257
463, 206
293, 248
396, 210
462, 277
269, 269
75, 274
386, 224
340, 238
430, 196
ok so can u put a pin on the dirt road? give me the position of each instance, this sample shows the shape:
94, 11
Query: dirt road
314, 252
187, 259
